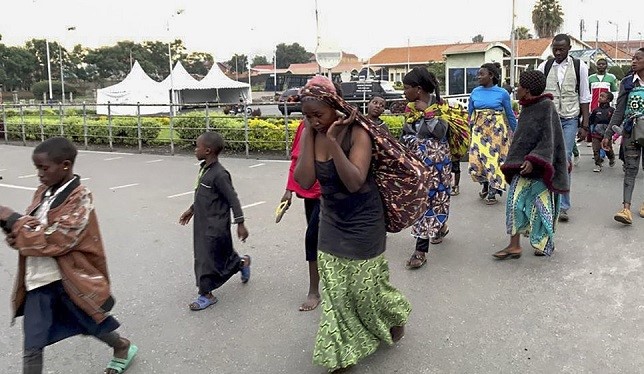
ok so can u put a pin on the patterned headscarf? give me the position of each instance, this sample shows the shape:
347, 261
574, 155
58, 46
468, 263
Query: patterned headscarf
322, 89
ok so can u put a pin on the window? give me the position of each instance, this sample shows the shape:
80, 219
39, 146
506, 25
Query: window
462, 80
456, 81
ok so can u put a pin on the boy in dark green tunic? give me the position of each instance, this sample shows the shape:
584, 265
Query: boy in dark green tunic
215, 259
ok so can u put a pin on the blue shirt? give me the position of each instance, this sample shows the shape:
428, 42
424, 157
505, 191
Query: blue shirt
495, 98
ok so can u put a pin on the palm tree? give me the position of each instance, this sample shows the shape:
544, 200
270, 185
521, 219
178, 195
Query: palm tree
547, 18
522, 33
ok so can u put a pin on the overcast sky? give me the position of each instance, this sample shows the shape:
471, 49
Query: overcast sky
253, 27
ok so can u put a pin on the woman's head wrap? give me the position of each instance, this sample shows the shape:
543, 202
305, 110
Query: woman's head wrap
534, 81
322, 89
421, 77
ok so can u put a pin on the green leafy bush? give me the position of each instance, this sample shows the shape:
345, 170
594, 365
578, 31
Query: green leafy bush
124, 130
263, 134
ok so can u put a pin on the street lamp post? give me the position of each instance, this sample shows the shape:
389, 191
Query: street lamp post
513, 37
616, 35
49, 69
62, 69
179, 11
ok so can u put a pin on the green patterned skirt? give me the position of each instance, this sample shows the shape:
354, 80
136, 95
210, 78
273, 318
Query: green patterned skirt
359, 306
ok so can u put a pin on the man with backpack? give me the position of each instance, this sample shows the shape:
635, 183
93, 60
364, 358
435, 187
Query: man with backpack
567, 81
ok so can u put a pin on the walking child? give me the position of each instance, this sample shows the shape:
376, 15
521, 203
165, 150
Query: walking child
536, 168
599, 120
62, 287
215, 259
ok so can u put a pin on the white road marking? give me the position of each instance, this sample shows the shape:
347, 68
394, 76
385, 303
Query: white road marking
85, 179
124, 186
153, 161
181, 194
27, 176
253, 204
256, 165
112, 158
275, 161
17, 187
3, 170
108, 153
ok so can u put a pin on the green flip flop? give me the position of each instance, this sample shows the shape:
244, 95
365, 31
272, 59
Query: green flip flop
120, 365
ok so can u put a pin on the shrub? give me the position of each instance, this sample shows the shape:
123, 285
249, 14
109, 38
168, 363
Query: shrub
124, 130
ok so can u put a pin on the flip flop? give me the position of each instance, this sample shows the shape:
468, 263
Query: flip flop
281, 209
245, 271
120, 365
202, 303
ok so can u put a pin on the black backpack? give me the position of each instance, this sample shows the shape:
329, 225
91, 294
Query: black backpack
575, 63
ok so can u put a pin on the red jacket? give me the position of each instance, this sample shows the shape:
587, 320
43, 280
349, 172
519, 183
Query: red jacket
291, 184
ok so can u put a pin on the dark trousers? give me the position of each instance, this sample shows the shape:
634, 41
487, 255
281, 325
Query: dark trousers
215, 262
50, 316
597, 146
312, 211
632, 158
422, 245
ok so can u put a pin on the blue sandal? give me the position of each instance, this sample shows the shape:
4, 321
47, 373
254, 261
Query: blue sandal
245, 270
202, 302
120, 365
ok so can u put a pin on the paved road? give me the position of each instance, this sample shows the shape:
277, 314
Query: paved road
580, 311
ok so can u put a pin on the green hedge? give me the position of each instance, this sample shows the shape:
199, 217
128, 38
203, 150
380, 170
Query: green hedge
124, 130
264, 134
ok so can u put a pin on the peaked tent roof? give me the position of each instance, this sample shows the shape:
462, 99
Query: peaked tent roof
137, 78
136, 88
217, 79
181, 79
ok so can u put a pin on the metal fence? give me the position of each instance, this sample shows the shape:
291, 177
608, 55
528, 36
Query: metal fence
150, 127
265, 128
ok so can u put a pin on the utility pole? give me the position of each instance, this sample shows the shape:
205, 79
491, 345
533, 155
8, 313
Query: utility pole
513, 42
49, 70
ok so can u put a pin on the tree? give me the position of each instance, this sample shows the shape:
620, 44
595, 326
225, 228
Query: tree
477, 39
16, 68
522, 33
438, 68
238, 63
260, 60
199, 63
291, 54
547, 18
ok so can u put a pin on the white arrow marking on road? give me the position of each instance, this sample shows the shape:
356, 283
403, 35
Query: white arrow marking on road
17, 187
253, 204
27, 176
85, 179
274, 160
124, 186
256, 165
181, 194
153, 161
112, 158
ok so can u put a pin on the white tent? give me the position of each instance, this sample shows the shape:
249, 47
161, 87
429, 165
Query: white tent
217, 87
182, 84
137, 87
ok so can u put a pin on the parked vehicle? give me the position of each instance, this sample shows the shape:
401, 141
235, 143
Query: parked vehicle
284, 103
362, 91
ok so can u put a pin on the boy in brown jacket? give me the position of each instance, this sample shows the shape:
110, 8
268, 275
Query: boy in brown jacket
62, 286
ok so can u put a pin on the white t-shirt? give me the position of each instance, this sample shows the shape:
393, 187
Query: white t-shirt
41, 271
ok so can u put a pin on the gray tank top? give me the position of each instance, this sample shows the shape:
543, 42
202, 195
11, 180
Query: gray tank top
352, 225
